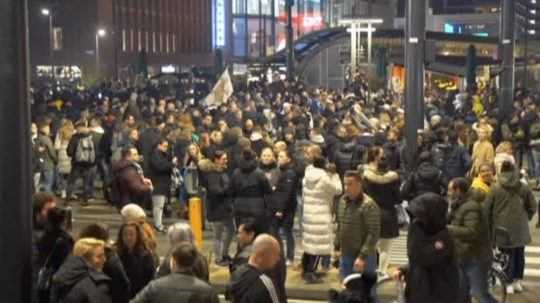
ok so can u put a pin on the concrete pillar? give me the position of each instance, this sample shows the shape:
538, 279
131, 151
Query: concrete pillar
507, 43
15, 176
415, 37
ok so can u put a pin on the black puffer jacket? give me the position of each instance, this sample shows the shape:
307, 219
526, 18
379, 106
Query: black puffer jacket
217, 184
347, 156
427, 178
433, 273
249, 189
383, 188
120, 285
159, 171
75, 282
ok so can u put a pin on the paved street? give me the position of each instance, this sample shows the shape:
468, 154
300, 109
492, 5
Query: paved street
100, 212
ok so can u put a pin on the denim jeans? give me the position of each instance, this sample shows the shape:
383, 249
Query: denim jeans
475, 280
158, 203
536, 157
47, 180
223, 235
280, 231
346, 265
76, 173
346, 268
91, 185
516, 263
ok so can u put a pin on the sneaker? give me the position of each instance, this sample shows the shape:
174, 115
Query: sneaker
517, 286
222, 263
311, 278
289, 263
509, 289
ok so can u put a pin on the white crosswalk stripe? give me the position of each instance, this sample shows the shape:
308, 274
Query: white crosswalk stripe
398, 257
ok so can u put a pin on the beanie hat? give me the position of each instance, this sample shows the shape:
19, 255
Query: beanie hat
132, 212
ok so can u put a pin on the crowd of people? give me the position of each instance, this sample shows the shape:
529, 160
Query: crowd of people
273, 157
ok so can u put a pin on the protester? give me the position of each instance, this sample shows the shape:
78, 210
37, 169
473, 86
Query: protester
247, 232
433, 273
181, 285
82, 151
511, 205
468, 228
358, 221
219, 209
81, 278
320, 186
135, 256
160, 169
249, 283
179, 233
133, 187
113, 268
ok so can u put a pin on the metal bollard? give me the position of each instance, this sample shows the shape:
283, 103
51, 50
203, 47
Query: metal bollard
195, 220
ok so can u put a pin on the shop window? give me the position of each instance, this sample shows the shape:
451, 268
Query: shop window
154, 44
239, 37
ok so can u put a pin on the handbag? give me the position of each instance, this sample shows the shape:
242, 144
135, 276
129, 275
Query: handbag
46, 272
402, 215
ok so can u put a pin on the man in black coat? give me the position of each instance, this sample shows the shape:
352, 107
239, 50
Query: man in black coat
249, 284
433, 272
218, 205
160, 168
180, 286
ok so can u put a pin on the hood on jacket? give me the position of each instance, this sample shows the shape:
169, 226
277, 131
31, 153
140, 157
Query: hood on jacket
427, 171
74, 270
247, 166
312, 176
207, 165
121, 164
509, 180
429, 210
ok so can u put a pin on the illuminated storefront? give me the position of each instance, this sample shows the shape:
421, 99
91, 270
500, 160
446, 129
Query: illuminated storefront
259, 26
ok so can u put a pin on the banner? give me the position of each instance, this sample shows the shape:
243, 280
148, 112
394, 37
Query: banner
221, 91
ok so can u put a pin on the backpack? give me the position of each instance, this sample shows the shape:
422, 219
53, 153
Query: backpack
534, 131
85, 151
112, 191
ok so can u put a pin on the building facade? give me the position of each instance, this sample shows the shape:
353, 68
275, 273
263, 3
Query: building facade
107, 38
257, 28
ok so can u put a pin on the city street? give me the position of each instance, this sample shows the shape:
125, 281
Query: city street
297, 289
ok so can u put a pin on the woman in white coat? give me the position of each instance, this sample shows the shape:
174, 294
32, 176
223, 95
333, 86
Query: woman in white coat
319, 187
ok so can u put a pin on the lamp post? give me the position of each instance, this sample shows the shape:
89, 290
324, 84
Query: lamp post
47, 13
99, 34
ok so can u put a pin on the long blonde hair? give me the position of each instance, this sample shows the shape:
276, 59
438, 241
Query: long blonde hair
67, 130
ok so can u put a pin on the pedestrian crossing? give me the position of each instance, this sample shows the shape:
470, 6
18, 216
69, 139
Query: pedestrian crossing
398, 257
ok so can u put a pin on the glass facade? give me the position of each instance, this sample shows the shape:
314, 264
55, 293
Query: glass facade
259, 26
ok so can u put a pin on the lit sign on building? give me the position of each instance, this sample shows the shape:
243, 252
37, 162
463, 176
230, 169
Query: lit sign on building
220, 26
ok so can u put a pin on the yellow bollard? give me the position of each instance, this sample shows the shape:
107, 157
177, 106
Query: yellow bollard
195, 220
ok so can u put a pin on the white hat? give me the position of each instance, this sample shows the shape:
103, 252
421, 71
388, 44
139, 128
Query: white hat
132, 212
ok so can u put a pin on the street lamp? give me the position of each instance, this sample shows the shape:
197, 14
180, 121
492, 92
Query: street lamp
47, 13
99, 34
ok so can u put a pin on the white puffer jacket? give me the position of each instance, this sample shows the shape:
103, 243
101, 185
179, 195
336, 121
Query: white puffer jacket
318, 190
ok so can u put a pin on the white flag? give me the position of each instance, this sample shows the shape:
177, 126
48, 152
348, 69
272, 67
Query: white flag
221, 92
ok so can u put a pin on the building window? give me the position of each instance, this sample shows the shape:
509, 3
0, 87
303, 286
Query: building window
160, 42
239, 7
58, 38
174, 43
147, 40
167, 42
124, 42
154, 42
139, 40
131, 40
